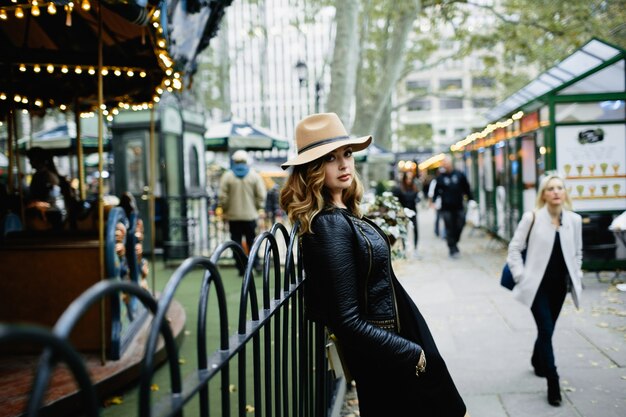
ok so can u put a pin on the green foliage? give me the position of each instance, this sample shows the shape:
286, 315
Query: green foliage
533, 33
413, 136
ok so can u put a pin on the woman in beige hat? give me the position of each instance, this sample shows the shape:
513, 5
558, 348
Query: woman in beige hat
350, 286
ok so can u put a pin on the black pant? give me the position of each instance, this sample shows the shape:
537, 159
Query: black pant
546, 308
415, 230
454, 221
239, 229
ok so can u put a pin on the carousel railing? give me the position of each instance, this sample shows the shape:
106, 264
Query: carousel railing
290, 375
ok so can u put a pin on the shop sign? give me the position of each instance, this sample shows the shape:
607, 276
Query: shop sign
530, 122
593, 160
500, 134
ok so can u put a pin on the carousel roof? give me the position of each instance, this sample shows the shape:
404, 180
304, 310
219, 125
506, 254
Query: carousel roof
49, 50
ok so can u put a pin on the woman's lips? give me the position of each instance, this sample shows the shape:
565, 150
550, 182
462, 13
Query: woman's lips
344, 177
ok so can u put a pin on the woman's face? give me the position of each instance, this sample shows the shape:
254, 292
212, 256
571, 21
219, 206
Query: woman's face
554, 193
338, 171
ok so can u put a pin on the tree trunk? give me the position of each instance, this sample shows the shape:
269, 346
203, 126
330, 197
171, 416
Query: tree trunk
224, 70
370, 112
382, 130
344, 65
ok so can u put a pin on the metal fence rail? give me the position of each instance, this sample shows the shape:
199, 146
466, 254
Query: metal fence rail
289, 367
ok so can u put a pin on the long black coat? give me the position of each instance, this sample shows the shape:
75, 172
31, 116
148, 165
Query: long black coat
351, 288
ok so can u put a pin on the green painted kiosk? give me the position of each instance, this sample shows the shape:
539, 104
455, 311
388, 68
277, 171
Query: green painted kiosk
572, 119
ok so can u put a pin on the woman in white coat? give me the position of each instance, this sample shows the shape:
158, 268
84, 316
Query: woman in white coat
551, 270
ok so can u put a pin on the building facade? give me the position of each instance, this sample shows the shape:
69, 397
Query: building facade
446, 99
270, 67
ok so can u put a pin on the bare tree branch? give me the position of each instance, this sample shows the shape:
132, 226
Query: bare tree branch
507, 19
413, 68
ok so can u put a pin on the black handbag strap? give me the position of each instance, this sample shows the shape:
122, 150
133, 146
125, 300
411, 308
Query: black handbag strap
531, 229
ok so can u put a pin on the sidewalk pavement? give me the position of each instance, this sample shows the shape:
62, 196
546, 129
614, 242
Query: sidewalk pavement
486, 336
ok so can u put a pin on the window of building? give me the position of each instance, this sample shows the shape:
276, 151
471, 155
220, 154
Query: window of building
418, 105
483, 82
413, 85
459, 132
441, 132
483, 102
450, 84
451, 103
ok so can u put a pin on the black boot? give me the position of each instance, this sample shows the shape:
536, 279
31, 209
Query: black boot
554, 392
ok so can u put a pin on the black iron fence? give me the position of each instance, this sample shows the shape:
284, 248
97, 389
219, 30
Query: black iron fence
193, 225
290, 375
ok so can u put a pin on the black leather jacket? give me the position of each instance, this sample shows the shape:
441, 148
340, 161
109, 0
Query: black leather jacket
349, 287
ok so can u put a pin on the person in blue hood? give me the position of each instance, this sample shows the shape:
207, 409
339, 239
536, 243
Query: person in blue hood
242, 196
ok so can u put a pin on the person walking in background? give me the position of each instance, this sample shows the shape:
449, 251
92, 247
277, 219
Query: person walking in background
242, 194
350, 286
271, 201
552, 269
407, 192
436, 204
452, 187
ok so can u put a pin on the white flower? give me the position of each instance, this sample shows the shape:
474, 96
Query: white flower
380, 222
394, 231
408, 212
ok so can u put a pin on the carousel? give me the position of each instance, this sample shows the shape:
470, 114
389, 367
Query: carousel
83, 58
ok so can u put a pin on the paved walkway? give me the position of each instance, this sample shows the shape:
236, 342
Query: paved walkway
486, 337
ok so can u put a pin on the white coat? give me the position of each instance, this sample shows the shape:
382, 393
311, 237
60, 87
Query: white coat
528, 275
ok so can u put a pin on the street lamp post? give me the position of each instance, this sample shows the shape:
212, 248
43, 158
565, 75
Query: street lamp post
303, 78
318, 93
303, 73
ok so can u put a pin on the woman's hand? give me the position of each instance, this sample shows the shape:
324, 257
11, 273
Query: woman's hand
420, 368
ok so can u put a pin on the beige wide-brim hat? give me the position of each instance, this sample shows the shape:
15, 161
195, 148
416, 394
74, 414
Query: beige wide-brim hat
319, 134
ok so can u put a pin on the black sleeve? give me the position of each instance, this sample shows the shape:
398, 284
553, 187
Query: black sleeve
466, 188
332, 248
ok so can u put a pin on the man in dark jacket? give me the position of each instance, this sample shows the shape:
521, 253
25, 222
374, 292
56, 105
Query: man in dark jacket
452, 187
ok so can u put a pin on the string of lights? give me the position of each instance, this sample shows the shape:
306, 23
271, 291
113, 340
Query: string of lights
18, 9
171, 81
486, 132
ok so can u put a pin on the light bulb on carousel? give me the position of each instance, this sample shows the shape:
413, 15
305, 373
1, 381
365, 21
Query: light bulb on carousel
52, 9
34, 9
68, 13
85, 5
19, 13
3, 14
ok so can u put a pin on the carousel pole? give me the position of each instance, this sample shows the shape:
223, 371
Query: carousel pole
151, 206
101, 185
10, 178
79, 153
18, 165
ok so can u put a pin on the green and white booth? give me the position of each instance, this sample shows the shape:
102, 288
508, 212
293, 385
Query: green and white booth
180, 181
570, 119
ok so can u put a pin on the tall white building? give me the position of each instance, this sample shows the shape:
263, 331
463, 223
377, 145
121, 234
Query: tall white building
261, 44
449, 97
